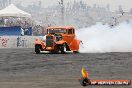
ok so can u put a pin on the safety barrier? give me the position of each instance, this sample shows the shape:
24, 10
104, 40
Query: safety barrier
17, 41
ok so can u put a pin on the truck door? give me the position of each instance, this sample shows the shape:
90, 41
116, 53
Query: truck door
69, 36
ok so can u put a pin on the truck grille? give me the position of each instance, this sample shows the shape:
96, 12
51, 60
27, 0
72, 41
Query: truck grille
49, 41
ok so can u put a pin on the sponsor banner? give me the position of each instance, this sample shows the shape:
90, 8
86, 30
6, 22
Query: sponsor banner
17, 41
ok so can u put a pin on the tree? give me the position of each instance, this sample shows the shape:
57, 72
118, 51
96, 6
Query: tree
40, 3
131, 10
121, 10
108, 7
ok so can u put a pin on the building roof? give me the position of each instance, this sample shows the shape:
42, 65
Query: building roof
61, 27
12, 10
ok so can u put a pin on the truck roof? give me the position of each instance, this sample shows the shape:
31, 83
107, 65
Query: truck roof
61, 27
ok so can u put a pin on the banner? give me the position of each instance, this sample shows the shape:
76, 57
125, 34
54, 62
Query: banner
17, 41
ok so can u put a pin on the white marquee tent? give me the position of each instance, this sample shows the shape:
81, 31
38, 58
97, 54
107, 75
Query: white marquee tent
13, 11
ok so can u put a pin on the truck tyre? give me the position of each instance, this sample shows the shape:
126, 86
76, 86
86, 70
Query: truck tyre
37, 49
63, 48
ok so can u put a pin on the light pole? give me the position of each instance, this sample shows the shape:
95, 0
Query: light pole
62, 12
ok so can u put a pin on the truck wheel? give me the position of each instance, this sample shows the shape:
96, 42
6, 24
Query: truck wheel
37, 49
63, 48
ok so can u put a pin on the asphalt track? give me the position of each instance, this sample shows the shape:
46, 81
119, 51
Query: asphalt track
22, 68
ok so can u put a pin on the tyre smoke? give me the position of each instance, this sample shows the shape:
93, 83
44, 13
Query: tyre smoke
102, 38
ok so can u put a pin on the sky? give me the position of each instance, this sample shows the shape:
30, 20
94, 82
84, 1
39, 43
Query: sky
126, 4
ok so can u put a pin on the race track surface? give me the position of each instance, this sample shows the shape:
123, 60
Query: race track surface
22, 68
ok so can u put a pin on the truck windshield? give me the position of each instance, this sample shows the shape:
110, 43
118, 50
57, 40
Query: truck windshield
52, 31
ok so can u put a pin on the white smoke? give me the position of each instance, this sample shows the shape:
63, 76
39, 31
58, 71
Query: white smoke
102, 38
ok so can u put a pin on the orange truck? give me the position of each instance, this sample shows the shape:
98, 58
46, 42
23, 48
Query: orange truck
58, 39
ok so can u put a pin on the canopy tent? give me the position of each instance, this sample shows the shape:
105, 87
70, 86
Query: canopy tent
13, 11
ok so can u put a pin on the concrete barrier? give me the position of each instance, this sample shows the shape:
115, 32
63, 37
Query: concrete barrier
17, 41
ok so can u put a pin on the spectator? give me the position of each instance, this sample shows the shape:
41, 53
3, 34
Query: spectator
22, 32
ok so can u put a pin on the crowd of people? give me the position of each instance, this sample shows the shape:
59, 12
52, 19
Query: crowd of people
37, 30
8, 22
